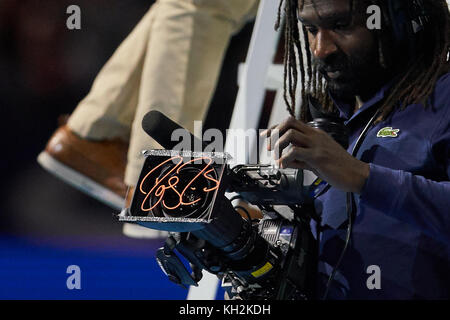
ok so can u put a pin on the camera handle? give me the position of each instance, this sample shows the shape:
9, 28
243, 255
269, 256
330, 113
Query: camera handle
172, 266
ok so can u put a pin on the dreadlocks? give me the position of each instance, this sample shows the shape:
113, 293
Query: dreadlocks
415, 84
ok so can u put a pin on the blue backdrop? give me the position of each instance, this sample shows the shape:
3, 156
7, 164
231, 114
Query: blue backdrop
36, 269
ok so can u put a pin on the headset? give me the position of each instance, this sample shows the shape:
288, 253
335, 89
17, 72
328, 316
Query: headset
407, 20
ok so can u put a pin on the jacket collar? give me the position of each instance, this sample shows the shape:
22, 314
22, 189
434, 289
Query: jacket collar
346, 109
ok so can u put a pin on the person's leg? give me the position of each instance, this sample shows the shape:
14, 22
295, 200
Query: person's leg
89, 151
169, 62
185, 52
184, 57
109, 108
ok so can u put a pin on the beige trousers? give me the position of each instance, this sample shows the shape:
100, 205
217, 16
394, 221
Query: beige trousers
170, 62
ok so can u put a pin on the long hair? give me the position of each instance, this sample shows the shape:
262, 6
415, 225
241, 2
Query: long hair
415, 82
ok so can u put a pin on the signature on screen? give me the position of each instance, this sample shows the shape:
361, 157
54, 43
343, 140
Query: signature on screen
164, 183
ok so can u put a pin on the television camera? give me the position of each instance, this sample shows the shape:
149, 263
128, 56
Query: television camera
185, 193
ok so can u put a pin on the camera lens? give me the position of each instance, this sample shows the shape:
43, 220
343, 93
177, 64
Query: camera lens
337, 130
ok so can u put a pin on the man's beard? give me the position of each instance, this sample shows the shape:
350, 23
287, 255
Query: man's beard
357, 75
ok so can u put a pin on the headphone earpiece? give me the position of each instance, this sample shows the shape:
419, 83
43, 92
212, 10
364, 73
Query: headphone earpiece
408, 18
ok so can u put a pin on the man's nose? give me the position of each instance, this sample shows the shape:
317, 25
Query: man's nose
323, 45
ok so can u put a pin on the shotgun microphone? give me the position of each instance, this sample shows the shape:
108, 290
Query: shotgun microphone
165, 131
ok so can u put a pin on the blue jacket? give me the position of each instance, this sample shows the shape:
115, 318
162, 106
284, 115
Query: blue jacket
402, 225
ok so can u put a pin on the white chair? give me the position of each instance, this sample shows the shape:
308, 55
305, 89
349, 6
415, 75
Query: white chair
255, 76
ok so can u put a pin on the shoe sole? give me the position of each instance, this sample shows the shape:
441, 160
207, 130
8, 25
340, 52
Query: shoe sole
97, 191
80, 182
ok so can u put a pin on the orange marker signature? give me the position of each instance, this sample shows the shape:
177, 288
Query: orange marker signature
159, 188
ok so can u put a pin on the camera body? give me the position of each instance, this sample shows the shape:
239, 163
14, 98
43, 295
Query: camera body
184, 193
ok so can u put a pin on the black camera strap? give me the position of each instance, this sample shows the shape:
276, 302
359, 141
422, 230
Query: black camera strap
350, 203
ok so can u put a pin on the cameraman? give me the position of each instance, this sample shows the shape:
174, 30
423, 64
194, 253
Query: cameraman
397, 84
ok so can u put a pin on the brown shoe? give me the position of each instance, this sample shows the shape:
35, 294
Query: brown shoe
95, 167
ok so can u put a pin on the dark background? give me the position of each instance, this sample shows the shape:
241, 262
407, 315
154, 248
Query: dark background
46, 225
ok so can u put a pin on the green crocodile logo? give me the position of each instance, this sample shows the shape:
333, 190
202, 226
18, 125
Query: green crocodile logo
388, 132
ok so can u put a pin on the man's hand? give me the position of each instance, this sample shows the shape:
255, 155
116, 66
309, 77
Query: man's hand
313, 149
